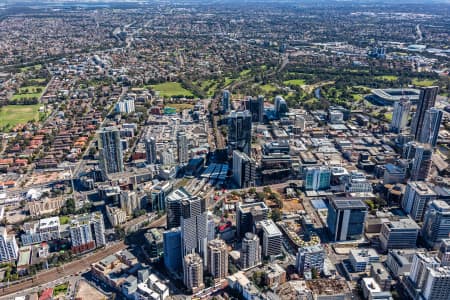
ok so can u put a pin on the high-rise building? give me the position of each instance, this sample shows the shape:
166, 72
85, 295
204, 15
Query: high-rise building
251, 251
125, 106
244, 169
240, 131
167, 157
193, 272
194, 226
211, 227
317, 178
444, 253
430, 279
150, 150
272, 238
217, 259
87, 232
431, 123
172, 250
182, 148
9, 251
417, 196
248, 214
257, 109
129, 202
111, 153
226, 101
421, 164
400, 115
427, 100
346, 218
399, 234
281, 107
436, 223
173, 207
309, 258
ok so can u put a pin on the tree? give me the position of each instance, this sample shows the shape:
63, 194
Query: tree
276, 215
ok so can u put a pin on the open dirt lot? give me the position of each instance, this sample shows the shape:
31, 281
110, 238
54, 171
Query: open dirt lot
86, 291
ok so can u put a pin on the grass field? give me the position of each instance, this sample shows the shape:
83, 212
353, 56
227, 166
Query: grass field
38, 80
297, 82
181, 106
64, 220
229, 81
29, 92
244, 73
387, 77
268, 88
425, 82
35, 67
209, 87
171, 89
11, 115
61, 289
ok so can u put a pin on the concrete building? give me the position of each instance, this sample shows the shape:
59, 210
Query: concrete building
155, 243
444, 253
360, 259
240, 131
129, 202
115, 215
272, 238
399, 234
311, 257
111, 153
257, 109
394, 174
381, 276
193, 272
226, 101
421, 163
371, 290
9, 251
194, 227
274, 275
173, 207
400, 115
172, 250
415, 199
218, 259
251, 251
399, 262
247, 214
125, 106
87, 232
431, 124
436, 223
317, 178
427, 100
150, 150
281, 107
182, 148
346, 218
244, 169
46, 229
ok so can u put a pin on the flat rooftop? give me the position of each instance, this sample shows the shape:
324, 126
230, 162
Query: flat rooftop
348, 203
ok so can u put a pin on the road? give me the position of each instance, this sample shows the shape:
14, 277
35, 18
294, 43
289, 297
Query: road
71, 268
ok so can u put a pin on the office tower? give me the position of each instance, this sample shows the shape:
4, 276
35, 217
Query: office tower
172, 250
129, 202
193, 272
182, 148
415, 199
87, 232
9, 251
430, 279
158, 196
444, 253
125, 106
218, 259
248, 214
421, 164
167, 158
431, 123
240, 131
401, 234
272, 238
257, 109
194, 227
281, 107
427, 100
400, 115
309, 258
173, 207
226, 101
251, 251
317, 178
155, 242
244, 169
346, 218
110, 148
211, 227
150, 150
436, 223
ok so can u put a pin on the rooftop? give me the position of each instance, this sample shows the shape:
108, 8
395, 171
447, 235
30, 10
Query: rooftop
270, 228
